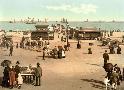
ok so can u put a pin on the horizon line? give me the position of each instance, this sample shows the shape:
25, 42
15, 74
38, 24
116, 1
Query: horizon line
69, 21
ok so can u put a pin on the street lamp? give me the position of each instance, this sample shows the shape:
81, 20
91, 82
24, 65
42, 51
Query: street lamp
77, 30
67, 32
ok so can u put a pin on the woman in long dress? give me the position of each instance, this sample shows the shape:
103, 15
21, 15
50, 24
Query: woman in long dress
63, 54
12, 79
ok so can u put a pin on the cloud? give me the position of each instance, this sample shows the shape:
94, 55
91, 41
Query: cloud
82, 8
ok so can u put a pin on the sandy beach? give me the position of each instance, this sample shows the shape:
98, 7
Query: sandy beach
78, 71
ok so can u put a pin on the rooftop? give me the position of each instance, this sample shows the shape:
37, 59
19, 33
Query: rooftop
41, 26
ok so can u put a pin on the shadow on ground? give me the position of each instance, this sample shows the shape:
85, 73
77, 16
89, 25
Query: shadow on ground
95, 83
93, 64
85, 53
1, 79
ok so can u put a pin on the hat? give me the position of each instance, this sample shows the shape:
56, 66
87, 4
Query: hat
38, 63
115, 65
17, 62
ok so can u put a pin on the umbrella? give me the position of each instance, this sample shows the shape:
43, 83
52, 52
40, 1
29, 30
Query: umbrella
6, 63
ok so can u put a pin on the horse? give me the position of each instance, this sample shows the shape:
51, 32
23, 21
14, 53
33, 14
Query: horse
108, 67
113, 77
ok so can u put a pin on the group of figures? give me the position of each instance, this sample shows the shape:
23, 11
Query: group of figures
12, 76
114, 74
58, 52
7, 44
29, 44
112, 49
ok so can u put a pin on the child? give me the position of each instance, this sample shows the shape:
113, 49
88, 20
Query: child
20, 81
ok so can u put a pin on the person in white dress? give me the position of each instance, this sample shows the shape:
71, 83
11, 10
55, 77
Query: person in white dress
63, 54
20, 80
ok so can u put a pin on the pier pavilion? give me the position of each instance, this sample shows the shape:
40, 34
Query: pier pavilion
89, 33
42, 31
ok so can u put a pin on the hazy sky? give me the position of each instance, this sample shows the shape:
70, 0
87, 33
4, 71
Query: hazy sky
56, 9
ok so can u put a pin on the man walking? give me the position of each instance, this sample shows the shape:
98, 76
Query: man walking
44, 53
38, 74
119, 50
11, 50
105, 57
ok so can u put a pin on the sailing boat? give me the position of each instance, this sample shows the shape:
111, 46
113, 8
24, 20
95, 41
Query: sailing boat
30, 21
64, 20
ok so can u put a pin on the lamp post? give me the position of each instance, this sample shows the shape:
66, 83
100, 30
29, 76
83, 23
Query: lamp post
77, 30
67, 32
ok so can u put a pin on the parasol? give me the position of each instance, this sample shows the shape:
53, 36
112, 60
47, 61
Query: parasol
6, 63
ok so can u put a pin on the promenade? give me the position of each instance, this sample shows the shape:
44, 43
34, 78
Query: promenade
78, 71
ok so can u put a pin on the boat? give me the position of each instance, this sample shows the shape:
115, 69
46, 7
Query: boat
30, 21
12, 21
63, 20
86, 20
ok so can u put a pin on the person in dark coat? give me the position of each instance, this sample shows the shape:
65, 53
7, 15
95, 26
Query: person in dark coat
78, 45
55, 52
38, 74
62, 38
17, 45
17, 70
7, 45
5, 82
118, 50
105, 57
89, 51
68, 46
44, 53
11, 50
65, 47
60, 53
111, 49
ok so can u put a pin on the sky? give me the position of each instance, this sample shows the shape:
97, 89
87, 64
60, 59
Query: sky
73, 10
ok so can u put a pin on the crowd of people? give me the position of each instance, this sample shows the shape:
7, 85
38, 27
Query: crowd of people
30, 44
12, 76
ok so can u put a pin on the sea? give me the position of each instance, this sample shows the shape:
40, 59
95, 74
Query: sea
20, 26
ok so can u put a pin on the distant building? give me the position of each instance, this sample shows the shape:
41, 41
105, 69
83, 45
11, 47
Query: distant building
42, 32
89, 33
